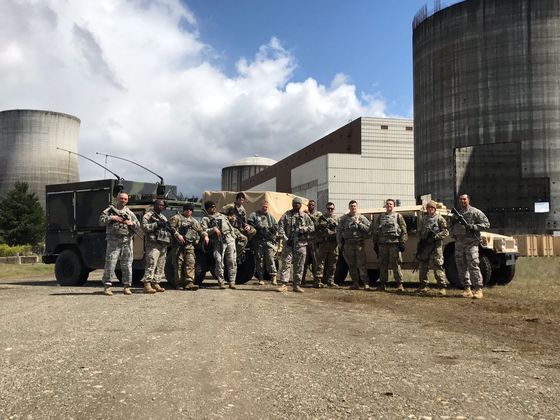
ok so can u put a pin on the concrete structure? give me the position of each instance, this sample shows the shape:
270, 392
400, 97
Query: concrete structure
242, 169
368, 160
28, 142
487, 109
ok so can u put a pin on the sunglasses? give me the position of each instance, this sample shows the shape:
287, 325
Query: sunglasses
330, 208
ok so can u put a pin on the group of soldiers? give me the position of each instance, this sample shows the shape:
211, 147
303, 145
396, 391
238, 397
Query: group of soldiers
307, 237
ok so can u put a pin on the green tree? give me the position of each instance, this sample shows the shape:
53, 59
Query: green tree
22, 219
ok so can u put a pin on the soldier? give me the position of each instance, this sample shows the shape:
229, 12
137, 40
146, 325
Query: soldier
351, 231
312, 246
294, 227
327, 247
222, 239
429, 251
237, 216
389, 239
188, 231
121, 223
467, 239
264, 242
157, 236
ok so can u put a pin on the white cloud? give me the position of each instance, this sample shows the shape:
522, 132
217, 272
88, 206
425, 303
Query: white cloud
140, 79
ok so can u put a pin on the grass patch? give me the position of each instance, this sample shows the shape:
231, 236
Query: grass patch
13, 271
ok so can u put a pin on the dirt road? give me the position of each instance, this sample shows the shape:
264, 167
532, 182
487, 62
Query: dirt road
256, 353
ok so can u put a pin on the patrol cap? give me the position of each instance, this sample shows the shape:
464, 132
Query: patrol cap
297, 200
188, 206
209, 205
432, 204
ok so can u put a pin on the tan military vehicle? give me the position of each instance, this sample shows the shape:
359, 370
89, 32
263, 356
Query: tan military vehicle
498, 253
278, 204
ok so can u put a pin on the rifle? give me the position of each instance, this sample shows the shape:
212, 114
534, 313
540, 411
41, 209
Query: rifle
166, 225
461, 219
114, 212
426, 247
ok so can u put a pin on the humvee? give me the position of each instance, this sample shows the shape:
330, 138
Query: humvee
498, 253
278, 203
75, 242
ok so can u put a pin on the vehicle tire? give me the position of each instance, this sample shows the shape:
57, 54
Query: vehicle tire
200, 267
169, 269
70, 270
245, 270
341, 271
503, 275
486, 269
451, 268
137, 276
373, 276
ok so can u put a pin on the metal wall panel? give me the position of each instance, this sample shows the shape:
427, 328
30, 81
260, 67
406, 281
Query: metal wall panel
269, 185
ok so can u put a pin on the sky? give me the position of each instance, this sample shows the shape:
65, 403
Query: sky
186, 87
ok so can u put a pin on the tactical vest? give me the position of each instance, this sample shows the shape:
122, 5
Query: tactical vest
389, 228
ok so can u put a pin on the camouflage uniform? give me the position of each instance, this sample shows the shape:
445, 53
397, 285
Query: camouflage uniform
119, 243
327, 248
312, 250
466, 246
433, 231
156, 241
238, 222
264, 242
294, 227
223, 248
183, 254
350, 234
389, 232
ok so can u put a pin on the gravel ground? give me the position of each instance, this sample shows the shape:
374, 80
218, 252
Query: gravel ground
254, 353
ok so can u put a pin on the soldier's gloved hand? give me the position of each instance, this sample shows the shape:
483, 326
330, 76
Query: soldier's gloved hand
472, 228
376, 248
401, 247
160, 224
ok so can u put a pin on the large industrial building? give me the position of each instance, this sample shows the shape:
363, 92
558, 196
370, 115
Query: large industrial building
368, 160
242, 169
28, 142
487, 109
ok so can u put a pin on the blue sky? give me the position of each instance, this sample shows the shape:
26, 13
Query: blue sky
186, 87
370, 41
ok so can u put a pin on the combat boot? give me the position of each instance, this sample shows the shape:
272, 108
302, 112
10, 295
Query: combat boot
477, 293
366, 287
380, 287
422, 290
148, 288
298, 289
318, 285
282, 288
442, 291
400, 288
232, 285
274, 281
222, 286
261, 283
107, 291
157, 287
467, 293
127, 291
191, 286
333, 285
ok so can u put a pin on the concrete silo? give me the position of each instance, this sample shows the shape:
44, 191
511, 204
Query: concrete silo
487, 109
28, 142
242, 169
